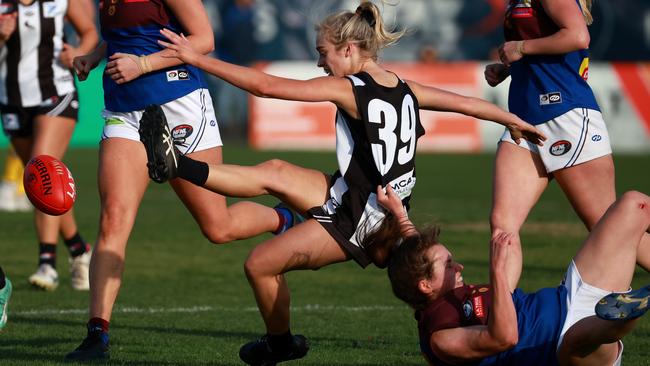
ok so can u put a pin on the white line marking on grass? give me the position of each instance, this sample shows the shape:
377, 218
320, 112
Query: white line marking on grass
202, 309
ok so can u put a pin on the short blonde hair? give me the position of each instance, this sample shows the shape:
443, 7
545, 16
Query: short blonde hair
364, 26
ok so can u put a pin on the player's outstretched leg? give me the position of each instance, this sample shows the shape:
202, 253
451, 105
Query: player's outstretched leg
262, 353
624, 306
93, 347
162, 155
5, 294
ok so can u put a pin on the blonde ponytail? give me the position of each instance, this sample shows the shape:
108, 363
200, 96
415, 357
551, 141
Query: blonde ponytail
364, 26
586, 10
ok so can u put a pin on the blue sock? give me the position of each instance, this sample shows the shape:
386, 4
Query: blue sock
286, 220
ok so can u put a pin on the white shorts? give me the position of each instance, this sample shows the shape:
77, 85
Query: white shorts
578, 136
581, 301
191, 119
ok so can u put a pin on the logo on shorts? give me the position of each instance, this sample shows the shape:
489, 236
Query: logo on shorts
10, 122
113, 122
49, 102
213, 123
596, 138
176, 75
550, 98
560, 148
181, 132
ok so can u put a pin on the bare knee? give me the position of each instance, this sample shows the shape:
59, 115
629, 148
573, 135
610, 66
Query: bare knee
634, 200
254, 266
274, 172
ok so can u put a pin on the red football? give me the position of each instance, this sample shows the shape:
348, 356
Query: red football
49, 185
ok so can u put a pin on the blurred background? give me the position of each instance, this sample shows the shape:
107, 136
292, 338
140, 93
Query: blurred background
448, 44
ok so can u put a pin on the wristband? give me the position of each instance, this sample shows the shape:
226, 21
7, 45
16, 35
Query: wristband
145, 64
520, 48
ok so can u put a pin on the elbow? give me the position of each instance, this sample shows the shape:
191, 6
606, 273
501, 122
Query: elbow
508, 340
262, 89
205, 43
208, 47
582, 39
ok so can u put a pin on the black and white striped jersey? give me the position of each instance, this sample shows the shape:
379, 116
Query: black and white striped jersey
30, 72
378, 149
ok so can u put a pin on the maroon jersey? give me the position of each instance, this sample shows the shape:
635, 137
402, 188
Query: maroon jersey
461, 307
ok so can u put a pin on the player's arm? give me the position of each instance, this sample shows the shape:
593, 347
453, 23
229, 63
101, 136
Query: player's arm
435, 99
259, 83
123, 67
500, 334
572, 34
7, 27
82, 20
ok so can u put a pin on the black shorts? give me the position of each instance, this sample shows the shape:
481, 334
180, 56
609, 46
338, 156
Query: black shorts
19, 121
344, 223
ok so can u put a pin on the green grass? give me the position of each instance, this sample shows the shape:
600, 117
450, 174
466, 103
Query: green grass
187, 302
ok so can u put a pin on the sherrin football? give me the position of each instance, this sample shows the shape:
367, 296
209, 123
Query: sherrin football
49, 185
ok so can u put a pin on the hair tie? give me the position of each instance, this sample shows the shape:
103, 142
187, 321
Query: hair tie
366, 15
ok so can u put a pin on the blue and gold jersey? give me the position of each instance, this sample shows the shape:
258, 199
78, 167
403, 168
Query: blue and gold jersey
540, 317
544, 86
133, 26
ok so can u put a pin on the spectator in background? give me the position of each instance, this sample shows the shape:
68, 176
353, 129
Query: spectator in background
482, 27
428, 55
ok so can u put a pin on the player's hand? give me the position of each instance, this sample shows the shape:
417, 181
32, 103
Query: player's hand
7, 25
180, 46
496, 73
521, 129
499, 248
84, 64
390, 200
68, 54
510, 52
123, 67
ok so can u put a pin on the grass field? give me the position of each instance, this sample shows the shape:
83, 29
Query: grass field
187, 302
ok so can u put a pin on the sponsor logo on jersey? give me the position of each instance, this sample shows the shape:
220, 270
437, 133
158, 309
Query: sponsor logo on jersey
584, 68
181, 132
550, 98
403, 185
467, 309
596, 138
176, 75
479, 308
560, 148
